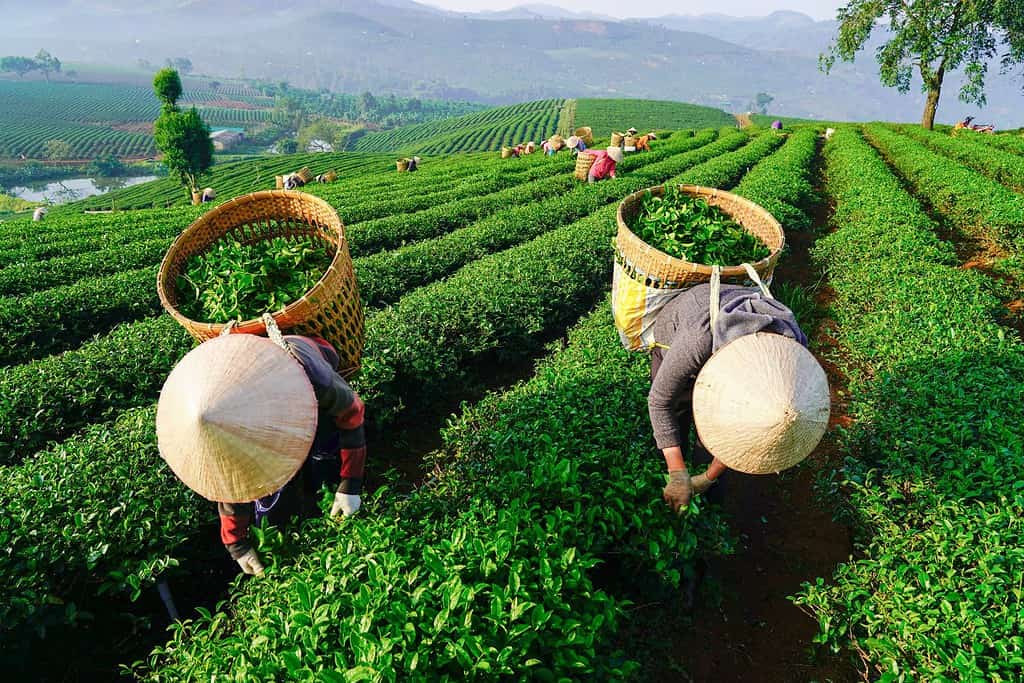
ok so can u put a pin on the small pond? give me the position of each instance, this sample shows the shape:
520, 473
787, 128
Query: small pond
72, 189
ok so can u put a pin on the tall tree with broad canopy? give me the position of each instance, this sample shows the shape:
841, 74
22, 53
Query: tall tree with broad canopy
932, 38
182, 137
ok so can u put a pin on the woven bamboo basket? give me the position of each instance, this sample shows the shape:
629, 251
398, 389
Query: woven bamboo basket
330, 176
196, 198
330, 310
305, 174
658, 269
583, 163
279, 182
556, 142
402, 165
585, 133
629, 143
506, 152
616, 140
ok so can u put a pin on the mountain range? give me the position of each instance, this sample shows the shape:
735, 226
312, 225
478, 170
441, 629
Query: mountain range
527, 52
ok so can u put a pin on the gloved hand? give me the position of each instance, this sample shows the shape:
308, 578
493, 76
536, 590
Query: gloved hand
345, 504
701, 483
250, 563
678, 491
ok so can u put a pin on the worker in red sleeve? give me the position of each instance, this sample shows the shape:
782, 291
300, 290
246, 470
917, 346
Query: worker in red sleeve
287, 426
604, 163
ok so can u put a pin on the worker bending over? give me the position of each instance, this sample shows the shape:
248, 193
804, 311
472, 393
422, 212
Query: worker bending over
260, 427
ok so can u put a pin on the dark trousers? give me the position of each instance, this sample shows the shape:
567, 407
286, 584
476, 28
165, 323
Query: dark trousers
299, 496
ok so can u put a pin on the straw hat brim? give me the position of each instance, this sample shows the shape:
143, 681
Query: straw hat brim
236, 418
761, 403
616, 154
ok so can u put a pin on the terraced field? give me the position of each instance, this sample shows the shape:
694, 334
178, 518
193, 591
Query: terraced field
532, 542
241, 177
480, 132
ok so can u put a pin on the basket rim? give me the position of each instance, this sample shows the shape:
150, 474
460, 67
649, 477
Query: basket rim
252, 324
703, 191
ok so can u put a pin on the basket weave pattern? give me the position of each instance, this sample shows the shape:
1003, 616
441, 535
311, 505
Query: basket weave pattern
585, 133
583, 163
330, 310
660, 270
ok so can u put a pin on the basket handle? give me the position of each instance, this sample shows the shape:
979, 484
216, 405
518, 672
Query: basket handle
756, 279
274, 333
715, 303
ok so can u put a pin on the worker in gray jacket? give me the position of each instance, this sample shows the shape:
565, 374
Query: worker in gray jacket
689, 331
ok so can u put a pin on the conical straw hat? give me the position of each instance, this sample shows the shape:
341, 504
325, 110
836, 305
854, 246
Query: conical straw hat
236, 418
761, 404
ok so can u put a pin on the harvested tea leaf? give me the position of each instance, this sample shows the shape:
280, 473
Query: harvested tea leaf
235, 281
691, 229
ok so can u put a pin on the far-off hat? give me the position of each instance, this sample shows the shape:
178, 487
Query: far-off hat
632, 131
652, 135
761, 404
616, 154
573, 141
236, 418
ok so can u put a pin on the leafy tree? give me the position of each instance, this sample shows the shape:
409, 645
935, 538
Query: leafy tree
933, 37
57, 149
18, 65
367, 103
182, 137
287, 146
167, 86
321, 135
762, 100
107, 165
47, 63
184, 140
290, 110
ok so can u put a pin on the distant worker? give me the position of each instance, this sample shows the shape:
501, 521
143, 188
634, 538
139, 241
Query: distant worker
632, 131
969, 124
414, 164
776, 125
576, 144
604, 163
208, 195
287, 425
643, 143
39, 214
293, 181
530, 148
829, 132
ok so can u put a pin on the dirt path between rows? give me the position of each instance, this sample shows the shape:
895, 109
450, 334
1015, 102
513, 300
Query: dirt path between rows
743, 627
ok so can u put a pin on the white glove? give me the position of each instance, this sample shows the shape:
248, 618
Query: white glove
250, 563
345, 504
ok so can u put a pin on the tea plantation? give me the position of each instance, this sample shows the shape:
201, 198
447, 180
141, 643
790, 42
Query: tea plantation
533, 528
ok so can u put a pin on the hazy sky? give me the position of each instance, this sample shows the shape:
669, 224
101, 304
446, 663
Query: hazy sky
819, 9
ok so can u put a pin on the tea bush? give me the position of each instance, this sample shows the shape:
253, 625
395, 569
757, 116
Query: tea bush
937, 446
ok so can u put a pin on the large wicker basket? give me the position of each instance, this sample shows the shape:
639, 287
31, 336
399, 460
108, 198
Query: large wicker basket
658, 269
583, 163
305, 174
616, 140
556, 142
330, 310
585, 133
402, 165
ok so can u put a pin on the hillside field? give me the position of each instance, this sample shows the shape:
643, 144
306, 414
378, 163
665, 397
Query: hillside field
523, 536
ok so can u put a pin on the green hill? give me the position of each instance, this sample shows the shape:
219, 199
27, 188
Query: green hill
605, 116
479, 132
489, 130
